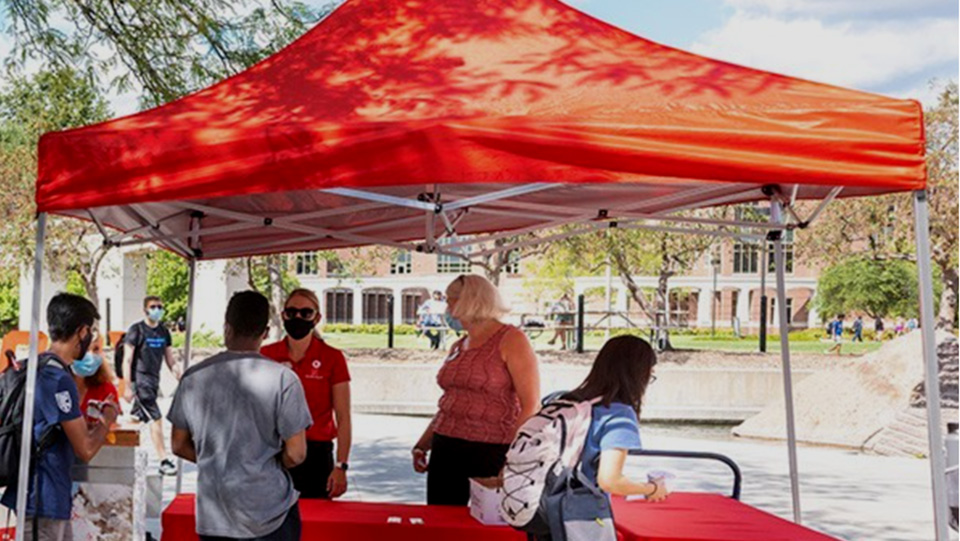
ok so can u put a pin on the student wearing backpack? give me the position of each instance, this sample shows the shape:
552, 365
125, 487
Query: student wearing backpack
619, 378
58, 425
147, 344
491, 385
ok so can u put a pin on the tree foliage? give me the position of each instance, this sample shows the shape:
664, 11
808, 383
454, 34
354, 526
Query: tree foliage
881, 228
167, 48
876, 287
30, 106
168, 277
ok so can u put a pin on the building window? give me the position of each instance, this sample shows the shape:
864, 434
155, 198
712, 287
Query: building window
402, 263
339, 306
746, 258
376, 306
787, 254
452, 264
307, 264
412, 299
773, 310
513, 263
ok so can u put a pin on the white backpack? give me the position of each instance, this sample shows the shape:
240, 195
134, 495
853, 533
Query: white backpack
547, 446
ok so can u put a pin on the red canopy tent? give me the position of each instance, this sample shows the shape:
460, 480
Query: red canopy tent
401, 122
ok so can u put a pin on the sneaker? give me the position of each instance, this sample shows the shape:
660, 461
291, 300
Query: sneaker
167, 467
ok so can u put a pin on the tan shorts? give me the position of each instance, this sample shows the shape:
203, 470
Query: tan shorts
49, 529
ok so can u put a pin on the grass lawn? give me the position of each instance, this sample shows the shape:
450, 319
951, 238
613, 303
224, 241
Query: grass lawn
409, 341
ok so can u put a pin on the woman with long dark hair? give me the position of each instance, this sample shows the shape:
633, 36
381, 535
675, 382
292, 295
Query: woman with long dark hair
619, 378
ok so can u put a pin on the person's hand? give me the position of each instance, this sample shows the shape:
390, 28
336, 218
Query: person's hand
128, 391
110, 412
660, 493
420, 462
337, 483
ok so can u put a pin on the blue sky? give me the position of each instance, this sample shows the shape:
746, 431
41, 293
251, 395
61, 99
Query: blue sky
892, 47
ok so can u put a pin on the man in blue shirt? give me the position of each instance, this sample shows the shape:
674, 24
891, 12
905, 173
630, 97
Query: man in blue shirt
58, 425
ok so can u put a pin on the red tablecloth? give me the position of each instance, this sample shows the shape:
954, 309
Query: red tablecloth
704, 517
355, 521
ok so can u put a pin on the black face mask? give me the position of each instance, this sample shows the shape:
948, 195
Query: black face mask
85, 344
298, 328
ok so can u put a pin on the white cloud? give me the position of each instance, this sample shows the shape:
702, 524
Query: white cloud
836, 7
928, 94
846, 54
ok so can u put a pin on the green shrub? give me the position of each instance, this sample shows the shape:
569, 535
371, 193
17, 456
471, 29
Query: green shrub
347, 328
201, 339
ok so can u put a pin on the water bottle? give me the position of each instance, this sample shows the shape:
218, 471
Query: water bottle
952, 472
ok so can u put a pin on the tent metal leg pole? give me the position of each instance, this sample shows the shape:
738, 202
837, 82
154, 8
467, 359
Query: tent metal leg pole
778, 260
931, 365
26, 445
187, 346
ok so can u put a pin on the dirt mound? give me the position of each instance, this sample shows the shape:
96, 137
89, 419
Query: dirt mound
850, 403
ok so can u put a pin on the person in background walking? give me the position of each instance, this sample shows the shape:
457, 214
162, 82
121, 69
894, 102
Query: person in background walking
562, 313
878, 329
858, 329
491, 385
432, 319
836, 333
147, 345
900, 328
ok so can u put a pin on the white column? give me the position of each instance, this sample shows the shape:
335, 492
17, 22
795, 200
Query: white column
813, 317
212, 297
704, 307
357, 306
397, 306
743, 307
134, 289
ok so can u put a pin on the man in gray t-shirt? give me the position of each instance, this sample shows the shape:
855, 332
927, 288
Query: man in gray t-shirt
242, 419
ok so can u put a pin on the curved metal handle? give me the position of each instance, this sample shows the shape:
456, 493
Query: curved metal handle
737, 476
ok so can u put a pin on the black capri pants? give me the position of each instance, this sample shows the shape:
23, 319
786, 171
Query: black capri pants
454, 461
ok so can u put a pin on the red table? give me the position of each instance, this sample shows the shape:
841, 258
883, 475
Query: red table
356, 521
704, 517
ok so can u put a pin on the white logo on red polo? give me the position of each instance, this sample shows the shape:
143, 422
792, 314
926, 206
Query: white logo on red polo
316, 364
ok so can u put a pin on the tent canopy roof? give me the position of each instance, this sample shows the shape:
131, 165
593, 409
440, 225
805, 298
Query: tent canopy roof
563, 117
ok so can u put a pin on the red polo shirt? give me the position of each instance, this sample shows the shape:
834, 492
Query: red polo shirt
321, 367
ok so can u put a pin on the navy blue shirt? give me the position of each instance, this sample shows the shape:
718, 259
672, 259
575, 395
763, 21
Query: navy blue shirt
613, 427
56, 401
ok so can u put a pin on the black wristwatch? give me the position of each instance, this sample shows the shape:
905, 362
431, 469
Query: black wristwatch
342, 466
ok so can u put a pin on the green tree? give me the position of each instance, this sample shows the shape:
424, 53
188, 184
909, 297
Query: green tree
168, 277
30, 106
876, 287
640, 252
167, 48
9, 304
881, 228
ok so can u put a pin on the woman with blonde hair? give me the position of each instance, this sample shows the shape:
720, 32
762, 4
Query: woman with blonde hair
491, 385
326, 383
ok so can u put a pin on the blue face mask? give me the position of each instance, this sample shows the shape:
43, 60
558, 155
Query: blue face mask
88, 365
155, 314
453, 322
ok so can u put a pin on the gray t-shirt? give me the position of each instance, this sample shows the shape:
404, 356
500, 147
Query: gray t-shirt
239, 408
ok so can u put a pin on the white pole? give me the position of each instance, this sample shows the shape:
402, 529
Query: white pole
931, 365
26, 445
776, 215
187, 343
609, 316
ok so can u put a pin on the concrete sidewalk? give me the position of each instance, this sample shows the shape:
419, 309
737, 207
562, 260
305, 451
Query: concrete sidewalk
844, 494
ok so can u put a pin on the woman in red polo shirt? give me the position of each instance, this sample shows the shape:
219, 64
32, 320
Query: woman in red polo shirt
326, 382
